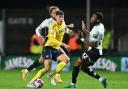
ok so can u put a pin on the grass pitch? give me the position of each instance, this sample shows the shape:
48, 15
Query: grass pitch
116, 80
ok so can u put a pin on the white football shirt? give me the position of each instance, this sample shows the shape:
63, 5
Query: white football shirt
45, 23
97, 35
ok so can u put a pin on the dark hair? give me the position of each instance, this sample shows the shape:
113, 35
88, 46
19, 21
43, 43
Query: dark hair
99, 15
59, 12
51, 8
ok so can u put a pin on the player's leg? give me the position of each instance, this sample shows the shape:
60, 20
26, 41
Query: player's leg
57, 76
76, 69
75, 72
47, 66
47, 56
90, 72
63, 61
88, 59
35, 64
93, 74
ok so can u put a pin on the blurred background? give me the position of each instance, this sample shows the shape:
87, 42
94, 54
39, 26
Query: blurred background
19, 19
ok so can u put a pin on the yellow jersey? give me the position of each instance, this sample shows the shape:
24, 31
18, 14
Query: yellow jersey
55, 35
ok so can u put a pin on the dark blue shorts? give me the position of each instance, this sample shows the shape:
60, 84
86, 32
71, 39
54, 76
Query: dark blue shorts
50, 53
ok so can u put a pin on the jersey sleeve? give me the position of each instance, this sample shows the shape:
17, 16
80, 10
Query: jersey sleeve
38, 30
44, 24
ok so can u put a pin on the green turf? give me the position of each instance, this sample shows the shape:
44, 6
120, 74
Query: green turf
12, 80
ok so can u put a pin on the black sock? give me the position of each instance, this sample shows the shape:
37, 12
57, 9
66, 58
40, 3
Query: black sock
90, 72
75, 73
34, 65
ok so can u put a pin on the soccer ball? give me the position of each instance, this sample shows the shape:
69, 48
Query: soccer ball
38, 83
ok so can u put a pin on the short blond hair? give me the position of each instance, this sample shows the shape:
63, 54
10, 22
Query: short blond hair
51, 8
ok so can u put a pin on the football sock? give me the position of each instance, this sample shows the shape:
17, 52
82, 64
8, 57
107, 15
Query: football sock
39, 74
59, 68
34, 65
90, 72
75, 73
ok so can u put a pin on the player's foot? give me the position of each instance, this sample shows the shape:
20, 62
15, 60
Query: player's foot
104, 82
72, 85
58, 78
24, 74
30, 85
52, 80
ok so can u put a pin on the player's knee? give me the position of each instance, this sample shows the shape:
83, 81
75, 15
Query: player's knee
78, 62
83, 68
41, 61
63, 58
47, 69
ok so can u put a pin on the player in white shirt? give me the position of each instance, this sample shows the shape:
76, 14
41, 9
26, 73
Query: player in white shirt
89, 56
97, 35
44, 25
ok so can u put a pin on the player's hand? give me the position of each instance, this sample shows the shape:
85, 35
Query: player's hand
70, 32
70, 25
41, 38
83, 25
66, 46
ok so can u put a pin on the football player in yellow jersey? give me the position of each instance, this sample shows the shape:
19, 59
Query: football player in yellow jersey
51, 49
42, 27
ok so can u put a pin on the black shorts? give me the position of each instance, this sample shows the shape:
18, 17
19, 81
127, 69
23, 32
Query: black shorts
90, 57
50, 53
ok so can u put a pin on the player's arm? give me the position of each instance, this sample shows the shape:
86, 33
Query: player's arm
84, 28
53, 40
44, 24
92, 44
87, 33
38, 32
70, 25
81, 38
68, 31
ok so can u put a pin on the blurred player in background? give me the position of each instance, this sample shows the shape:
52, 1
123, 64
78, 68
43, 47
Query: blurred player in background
45, 26
90, 56
36, 44
51, 49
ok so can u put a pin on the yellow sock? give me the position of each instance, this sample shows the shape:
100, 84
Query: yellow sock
38, 75
60, 67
